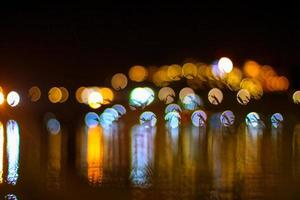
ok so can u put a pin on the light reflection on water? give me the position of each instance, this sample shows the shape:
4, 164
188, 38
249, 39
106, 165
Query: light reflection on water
188, 162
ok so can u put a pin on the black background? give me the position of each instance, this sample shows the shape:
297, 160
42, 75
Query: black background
82, 44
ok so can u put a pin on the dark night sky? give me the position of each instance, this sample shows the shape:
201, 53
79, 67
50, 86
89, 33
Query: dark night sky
83, 44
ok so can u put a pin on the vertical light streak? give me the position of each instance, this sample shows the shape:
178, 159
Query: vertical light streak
1, 151
13, 145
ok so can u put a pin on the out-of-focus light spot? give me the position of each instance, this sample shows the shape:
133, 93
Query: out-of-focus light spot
296, 97
174, 72
252, 69
91, 119
13, 151
138, 73
107, 94
34, 93
227, 118
107, 119
216, 72
276, 120
64, 94
166, 94
199, 118
253, 86
173, 107
225, 65
161, 78
78, 94
119, 81
191, 102
53, 126
54, 95
234, 78
141, 97
253, 119
185, 91
95, 100
10, 197
189, 70
215, 96
120, 109
1, 151
13, 98
243, 96
2, 99
173, 119
148, 119
113, 112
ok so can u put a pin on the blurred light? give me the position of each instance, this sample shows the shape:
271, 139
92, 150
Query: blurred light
173, 119
107, 94
243, 96
148, 119
174, 72
13, 151
106, 119
173, 107
13, 98
252, 69
215, 96
120, 109
227, 118
138, 73
141, 97
166, 94
276, 120
296, 97
234, 78
10, 197
91, 119
113, 112
54, 95
191, 102
199, 118
1, 151
78, 94
34, 93
216, 72
53, 126
253, 86
95, 100
64, 94
185, 91
225, 65
2, 99
119, 81
253, 119
189, 70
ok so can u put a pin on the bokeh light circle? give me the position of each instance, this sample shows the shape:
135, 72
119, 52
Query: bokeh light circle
13, 98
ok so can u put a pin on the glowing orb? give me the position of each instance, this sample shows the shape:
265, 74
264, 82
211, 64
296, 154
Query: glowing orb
191, 102
253, 119
227, 118
173, 119
296, 97
185, 91
91, 119
2, 99
189, 70
138, 73
243, 97
148, 119
112, 112
225, 64
53, 126
64, 94
166, 94
54, 95
174, 72
34, 93
78, 94
119, 81
95, 99
141, 97
199, 118
120, 109
13, 98
107, 94
215, 96
173, 107
276, 120
106, 119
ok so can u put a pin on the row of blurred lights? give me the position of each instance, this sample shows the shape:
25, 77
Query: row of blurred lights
249, 83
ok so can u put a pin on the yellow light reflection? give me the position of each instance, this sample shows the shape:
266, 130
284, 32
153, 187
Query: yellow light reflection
107, 94
78, 94
95, 155
119, 81
34, 93
64, 94
54, 95
1, 151
138, 73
